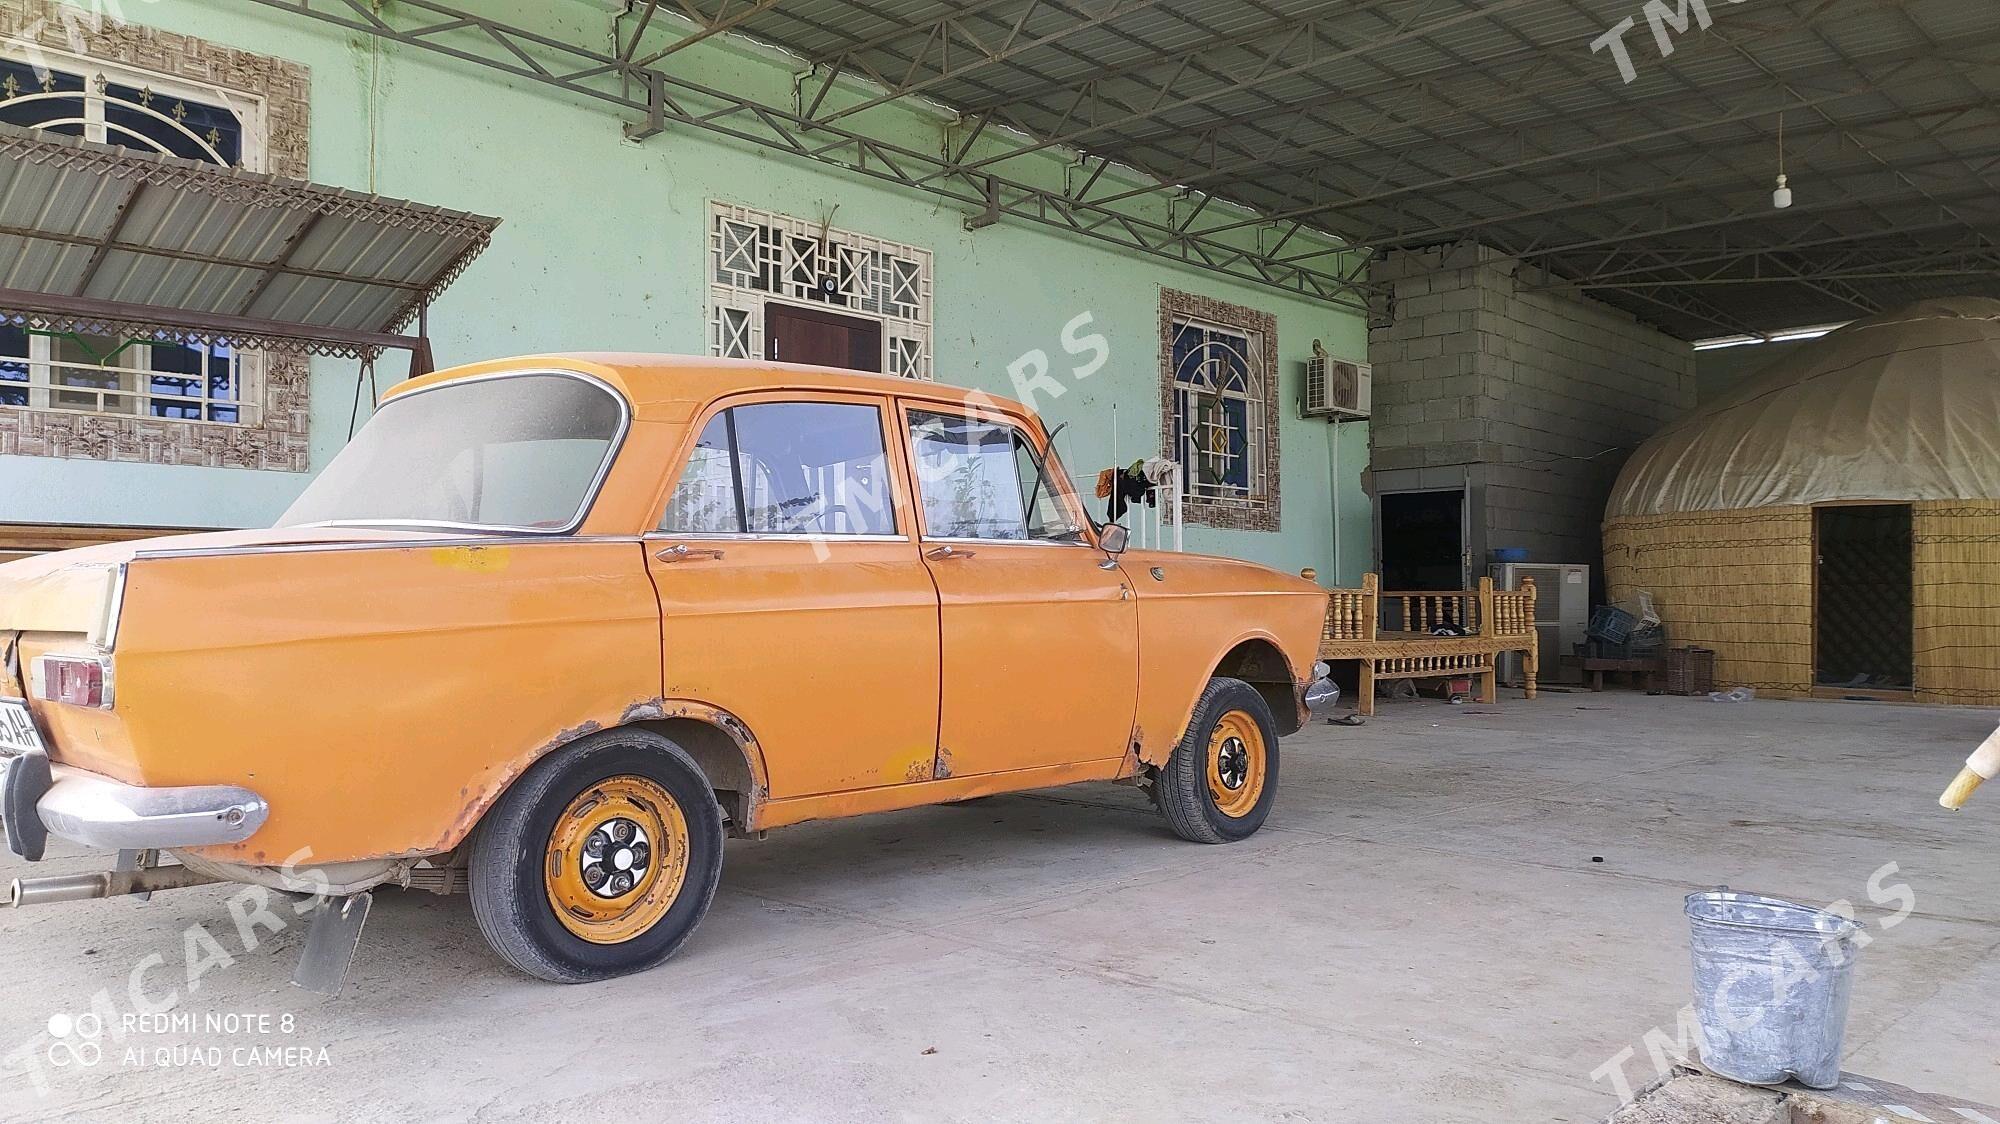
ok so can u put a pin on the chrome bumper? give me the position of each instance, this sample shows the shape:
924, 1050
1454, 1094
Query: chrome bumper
97, 811
1322, 693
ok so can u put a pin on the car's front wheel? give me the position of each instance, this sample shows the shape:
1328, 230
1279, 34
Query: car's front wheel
1218, 785
600, 860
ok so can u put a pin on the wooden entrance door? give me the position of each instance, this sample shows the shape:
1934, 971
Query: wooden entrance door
824, 339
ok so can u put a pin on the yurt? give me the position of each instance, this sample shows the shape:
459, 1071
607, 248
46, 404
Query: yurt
1831, 526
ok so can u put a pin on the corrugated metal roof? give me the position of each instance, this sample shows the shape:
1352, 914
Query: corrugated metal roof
270, 262
1417, 122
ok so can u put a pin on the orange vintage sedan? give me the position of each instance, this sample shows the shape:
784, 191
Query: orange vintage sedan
549, 628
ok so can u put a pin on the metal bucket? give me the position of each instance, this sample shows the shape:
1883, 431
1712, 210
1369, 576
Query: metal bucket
1771, 983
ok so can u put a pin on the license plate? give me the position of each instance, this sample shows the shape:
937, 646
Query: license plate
17, 728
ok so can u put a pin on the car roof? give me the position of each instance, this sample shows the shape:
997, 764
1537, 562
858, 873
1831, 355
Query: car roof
676, 387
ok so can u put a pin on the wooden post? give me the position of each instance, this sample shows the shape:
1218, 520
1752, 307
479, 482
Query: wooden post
1531, 663
1485, 624
1364, 688
1371, 613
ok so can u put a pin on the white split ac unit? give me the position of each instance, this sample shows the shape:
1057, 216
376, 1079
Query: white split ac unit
1334, 388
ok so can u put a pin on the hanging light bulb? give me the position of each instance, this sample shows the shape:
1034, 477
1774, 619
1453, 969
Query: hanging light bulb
1782, 197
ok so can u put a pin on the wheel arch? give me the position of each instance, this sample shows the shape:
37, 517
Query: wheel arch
725, 749
1259, 661
727, 752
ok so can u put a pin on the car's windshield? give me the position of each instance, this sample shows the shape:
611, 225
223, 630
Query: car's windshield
517, 452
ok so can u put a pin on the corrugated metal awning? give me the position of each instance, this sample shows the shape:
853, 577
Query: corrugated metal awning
100, 238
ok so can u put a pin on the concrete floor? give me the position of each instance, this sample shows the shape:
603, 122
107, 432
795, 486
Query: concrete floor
1421, 933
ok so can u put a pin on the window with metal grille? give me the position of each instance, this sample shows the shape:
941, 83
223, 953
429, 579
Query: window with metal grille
156, 377
1219, 408
757, 258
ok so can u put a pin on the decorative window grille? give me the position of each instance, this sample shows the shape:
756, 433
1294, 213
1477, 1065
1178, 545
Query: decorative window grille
758, 257
1219, 415
129, 108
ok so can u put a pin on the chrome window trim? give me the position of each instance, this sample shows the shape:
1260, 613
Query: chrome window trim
114, 611
1087, 544
393, 544
772, 536
611, 451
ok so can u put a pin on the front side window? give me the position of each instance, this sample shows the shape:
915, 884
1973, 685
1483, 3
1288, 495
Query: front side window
786, 468
514, 453
980, 478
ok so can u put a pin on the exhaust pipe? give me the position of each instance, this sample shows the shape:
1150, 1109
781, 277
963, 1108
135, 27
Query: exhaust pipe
109, 884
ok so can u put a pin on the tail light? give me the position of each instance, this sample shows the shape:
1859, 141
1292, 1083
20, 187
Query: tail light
75, 680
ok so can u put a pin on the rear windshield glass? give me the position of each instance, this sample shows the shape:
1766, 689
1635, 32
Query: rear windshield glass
522, 453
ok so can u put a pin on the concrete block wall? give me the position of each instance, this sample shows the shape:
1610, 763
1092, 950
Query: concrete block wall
1533, 396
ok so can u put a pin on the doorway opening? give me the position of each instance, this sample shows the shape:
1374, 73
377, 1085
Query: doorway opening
823, 339
1422, 535
1862, 618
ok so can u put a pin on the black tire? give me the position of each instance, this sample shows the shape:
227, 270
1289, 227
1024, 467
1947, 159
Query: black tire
510, 853
1182, 790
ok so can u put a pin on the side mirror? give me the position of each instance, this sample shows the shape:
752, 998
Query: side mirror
1114, 538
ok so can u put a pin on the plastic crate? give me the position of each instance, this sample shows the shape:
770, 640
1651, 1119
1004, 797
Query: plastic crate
1690, 671
1611, 624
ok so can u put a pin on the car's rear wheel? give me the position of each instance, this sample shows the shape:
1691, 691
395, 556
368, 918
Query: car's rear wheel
1218, 785
600, 860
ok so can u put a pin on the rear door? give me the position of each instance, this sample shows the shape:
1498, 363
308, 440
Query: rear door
1039, 628
792, 594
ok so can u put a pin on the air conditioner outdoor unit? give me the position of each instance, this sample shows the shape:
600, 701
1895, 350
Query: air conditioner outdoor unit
1335, 388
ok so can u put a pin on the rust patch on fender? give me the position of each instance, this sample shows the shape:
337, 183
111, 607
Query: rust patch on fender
647, 711
484, 795
918, 771
943, 762
1135, 754
1157, 755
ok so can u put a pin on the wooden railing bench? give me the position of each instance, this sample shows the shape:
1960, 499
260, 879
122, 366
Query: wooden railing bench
1431, 634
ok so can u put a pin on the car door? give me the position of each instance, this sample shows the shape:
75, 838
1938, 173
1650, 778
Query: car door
792, 594
1039, 628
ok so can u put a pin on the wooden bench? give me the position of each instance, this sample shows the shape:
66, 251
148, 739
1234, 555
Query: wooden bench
1642, 670
1392, 635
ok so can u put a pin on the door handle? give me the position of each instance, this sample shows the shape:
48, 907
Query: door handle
680, 552
944, 552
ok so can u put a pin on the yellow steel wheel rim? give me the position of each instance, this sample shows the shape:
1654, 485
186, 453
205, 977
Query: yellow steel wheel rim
616, 859
1237, 762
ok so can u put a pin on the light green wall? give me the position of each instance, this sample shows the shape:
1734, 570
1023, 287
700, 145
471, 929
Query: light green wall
602, 247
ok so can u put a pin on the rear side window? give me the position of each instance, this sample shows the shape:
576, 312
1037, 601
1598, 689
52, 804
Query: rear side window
786, 468
516, 452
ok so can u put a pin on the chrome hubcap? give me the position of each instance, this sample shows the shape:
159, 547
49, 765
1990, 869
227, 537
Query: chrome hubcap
1232, 763
615, 858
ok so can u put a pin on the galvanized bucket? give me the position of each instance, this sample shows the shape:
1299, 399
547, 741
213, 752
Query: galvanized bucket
1771, 983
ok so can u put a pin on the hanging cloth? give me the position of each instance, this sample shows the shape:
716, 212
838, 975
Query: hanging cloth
1132, 486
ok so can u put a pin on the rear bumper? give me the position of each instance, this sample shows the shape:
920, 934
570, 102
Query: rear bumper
41, 800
